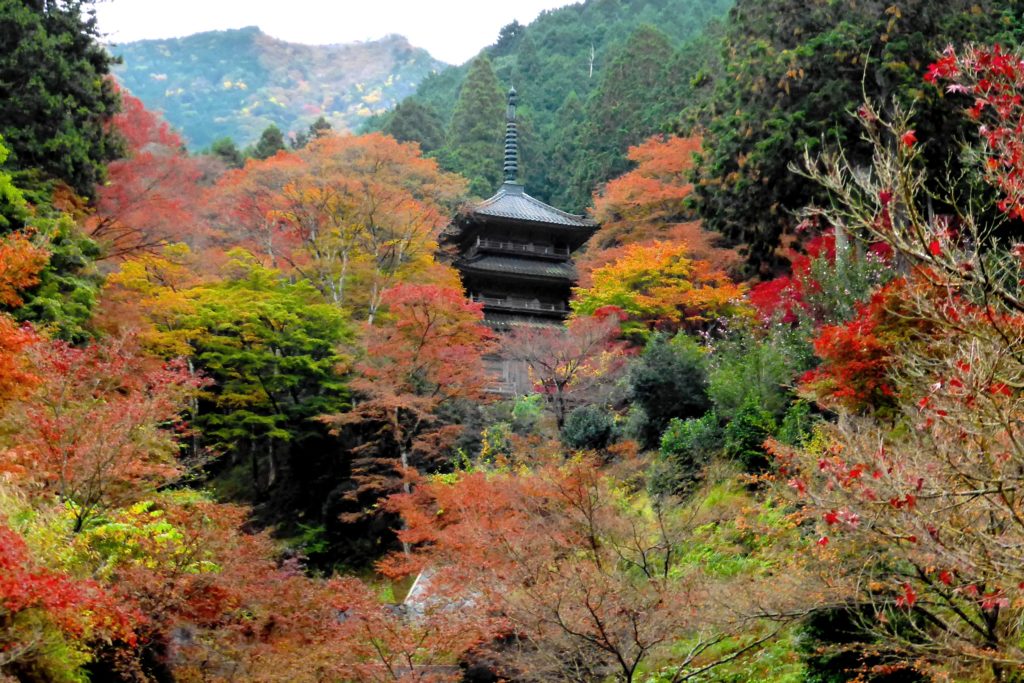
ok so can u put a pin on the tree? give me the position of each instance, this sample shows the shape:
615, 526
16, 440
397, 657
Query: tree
318, 128
793, 73
354, 215
98, 428
227, 151
474, 143
589, 578
423, 359
270, 143
270, 345
151, 196
651, 202
632, 101
56, 96
572, 365
43, 611
919, 512
668, 380
658, 286
411, 121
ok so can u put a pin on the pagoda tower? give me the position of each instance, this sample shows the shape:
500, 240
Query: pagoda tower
515, 251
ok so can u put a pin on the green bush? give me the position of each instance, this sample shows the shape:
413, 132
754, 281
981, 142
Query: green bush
668, 380
686, 448
589, 427
764, 368
746, 433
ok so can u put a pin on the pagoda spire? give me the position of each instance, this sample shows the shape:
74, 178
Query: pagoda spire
511, 166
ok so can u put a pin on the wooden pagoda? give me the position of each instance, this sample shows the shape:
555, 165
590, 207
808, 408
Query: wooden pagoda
515, 251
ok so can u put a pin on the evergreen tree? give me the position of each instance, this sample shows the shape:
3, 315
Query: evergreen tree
412, 121
634, 99
474, 147
270, 143
227, 151
794, 73
55, 94
317, 129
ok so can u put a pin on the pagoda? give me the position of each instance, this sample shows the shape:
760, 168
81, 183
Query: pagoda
515, 251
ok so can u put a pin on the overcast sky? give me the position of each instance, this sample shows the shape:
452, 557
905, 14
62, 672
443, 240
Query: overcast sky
451, 30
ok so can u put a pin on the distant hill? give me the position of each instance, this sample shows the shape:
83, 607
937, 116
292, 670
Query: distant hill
237, 82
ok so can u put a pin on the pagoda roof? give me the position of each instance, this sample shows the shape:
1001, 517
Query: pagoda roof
512, 203
556, 270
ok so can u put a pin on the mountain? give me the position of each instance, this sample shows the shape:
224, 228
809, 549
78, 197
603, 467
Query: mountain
237, 82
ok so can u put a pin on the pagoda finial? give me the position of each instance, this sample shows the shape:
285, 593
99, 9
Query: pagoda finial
511, 166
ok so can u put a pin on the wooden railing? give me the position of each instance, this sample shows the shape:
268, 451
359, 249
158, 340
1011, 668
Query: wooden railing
521, 247
519, 304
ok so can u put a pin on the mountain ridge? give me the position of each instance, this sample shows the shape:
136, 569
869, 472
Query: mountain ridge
236, 82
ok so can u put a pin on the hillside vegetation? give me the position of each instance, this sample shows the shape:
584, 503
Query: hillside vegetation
236, 83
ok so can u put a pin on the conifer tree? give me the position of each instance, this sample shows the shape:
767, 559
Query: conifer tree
413, 121
474, 146
55, 97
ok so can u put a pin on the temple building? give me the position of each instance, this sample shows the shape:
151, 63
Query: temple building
515, 251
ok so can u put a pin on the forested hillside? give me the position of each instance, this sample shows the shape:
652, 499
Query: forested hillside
236, 83
593, 78
251, 428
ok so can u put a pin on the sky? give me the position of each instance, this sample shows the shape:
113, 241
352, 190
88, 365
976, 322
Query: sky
451, 30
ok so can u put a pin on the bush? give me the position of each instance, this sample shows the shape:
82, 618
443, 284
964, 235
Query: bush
589, 427
797, 425
746, 433
686, 448
668, 380
764, 368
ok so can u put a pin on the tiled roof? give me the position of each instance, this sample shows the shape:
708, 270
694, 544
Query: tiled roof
561, 270
511, 201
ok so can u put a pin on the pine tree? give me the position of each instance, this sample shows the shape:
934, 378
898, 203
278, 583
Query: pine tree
474, 146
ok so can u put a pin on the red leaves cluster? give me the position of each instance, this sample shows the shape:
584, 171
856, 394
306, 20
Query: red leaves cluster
857, 356
78, 607
152, 196
786, 295
98, 427
994, 77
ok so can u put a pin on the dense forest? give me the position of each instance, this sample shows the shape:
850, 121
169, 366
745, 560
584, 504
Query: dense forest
246, 426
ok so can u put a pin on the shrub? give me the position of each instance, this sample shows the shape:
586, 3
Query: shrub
668, 380
589, 426
746, 433
686, 448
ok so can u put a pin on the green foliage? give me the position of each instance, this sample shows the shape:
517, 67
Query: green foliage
668, 380
474, 145
794, 73
632, 100
55, 97
588, 427
797, 424
557, 62
235, 83
270, 345
270, 143
66, 295
687, 447
746, 433
412, 121
227, 151
13, 207
762, 368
